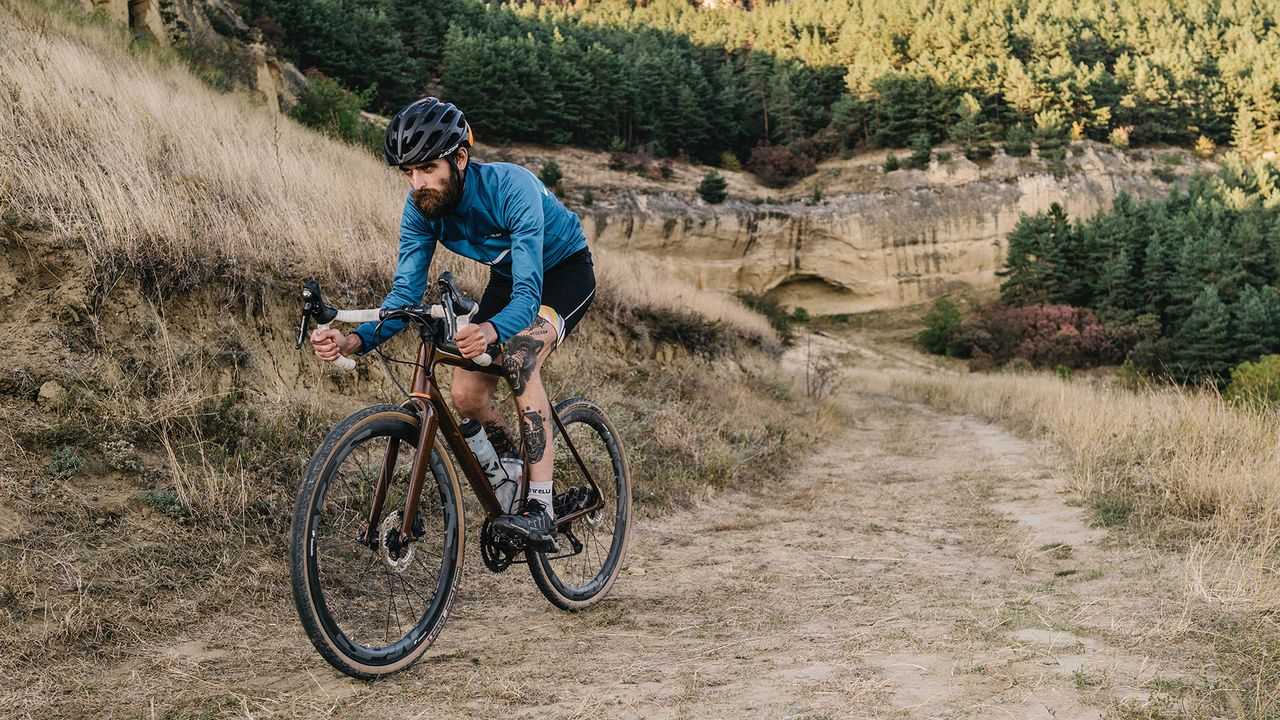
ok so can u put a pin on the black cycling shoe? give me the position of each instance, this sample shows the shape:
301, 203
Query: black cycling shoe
575, 499
532, 525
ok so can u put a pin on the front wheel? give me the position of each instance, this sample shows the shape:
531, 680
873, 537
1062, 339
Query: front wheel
370, 605
593, 546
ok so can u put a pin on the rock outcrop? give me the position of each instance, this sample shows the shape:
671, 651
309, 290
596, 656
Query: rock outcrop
214, 31
882, 240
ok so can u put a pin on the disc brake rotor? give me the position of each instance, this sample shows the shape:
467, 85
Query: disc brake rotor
394, 556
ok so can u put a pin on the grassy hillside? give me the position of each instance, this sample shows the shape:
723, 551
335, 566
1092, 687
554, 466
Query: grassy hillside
155, 418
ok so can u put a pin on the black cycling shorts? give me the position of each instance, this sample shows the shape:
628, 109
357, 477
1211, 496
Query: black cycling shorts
567, 291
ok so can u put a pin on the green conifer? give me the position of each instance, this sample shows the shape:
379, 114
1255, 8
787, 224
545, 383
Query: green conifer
712, 187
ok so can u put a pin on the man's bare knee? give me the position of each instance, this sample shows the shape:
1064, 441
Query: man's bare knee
472, 396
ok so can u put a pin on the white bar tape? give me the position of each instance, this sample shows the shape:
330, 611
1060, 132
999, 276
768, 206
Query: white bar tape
358, 316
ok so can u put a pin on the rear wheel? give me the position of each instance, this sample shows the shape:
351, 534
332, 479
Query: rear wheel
592, 547
369, 605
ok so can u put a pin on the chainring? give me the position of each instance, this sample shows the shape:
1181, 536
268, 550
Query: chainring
498, 552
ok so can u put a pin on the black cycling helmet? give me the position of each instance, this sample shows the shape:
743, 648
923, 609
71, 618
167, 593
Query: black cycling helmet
425, 130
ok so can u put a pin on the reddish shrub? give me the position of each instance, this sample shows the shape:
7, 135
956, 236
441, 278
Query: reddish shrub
776, 165
1044, 335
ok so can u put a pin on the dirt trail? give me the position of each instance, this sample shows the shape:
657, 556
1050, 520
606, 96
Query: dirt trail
920, 566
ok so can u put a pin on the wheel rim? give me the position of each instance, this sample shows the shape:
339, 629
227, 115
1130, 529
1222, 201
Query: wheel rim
581, 575
377, 603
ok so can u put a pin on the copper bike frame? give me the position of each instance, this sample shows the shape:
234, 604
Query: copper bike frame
434, 415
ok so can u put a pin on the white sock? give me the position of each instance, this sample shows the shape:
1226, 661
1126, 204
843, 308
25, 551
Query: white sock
541, 491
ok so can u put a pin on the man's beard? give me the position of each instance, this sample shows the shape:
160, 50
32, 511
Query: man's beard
435, 204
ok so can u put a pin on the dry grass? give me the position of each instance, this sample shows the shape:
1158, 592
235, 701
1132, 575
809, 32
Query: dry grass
156, 171
1186, 462
183, 447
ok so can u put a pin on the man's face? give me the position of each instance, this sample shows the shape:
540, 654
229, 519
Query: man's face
435, 189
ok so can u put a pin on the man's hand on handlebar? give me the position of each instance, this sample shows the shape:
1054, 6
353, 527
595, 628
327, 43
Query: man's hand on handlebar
331, 344
474, 339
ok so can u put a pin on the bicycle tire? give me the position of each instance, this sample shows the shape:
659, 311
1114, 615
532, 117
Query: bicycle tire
577, 581
339, 612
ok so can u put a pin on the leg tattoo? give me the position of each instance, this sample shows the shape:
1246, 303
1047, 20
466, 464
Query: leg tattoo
535, 436
520, 358
502, 443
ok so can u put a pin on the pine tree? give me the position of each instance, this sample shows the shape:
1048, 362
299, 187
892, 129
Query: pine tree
1256, 319
1205, 349
971, 131
712, 187
1246, 136
1028, 269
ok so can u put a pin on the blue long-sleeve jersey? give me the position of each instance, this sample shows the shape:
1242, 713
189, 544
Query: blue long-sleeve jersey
506, 219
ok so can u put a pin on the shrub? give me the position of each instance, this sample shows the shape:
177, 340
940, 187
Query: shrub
776, 165
1045, 335
891, 162
712, 187
551, 175
778, 317
331, 108
800, 314
941, 327
1120, 136
272, 33
1017, 141
729, 161
1205, 147
588, 197
66, 462
921, 152
1256, 384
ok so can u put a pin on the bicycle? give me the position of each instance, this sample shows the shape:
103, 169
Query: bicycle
377, 538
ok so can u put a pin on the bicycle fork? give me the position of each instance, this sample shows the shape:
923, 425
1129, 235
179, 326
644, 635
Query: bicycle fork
417, 477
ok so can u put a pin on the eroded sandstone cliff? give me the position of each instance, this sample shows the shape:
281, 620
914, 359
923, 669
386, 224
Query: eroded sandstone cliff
865, 239
212, 29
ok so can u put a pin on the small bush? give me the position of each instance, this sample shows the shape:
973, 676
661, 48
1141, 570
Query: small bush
777, 165
921, 152
941, 327
801, 315
166, 501
639, 163
695, 333
1205, 147
588, 197
331, 108
1255, 384
712, 187
1047, 336
1017, 141
891, 163
778, 317
1120, 136
551, 175
66, 462
729, 161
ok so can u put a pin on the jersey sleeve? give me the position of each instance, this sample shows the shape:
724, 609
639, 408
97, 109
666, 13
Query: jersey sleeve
417, 246
522, 215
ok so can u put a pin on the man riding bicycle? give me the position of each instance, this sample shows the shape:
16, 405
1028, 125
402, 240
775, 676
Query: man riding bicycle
541, 282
